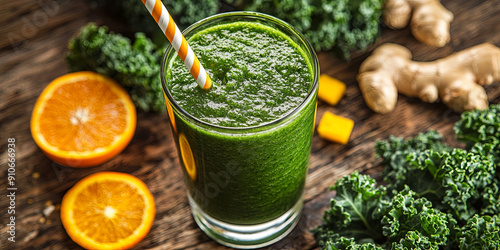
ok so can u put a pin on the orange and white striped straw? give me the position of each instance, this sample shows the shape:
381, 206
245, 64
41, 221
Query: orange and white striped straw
174, 35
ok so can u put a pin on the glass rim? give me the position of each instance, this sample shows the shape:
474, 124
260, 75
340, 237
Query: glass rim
309, 50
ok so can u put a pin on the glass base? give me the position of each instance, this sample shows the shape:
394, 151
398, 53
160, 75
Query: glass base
247, 236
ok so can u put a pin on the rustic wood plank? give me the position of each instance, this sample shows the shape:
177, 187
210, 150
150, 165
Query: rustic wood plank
31, 58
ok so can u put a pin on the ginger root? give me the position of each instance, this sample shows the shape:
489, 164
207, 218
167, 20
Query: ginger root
456, 79
430, 20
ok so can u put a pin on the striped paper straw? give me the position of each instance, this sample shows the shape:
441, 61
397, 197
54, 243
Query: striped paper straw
174, 35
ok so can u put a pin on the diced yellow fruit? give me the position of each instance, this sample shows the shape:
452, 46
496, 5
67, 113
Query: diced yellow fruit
331, 90
335, 128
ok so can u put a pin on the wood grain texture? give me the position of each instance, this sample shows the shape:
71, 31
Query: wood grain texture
33, 40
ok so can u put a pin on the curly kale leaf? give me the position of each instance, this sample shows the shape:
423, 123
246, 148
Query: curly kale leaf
479, 125
480, 130
412, 223
350, 243
480, 232
462, 177
185, 12
136, 66
344, 26
354, 213
297, 13
362, 216
339, 25
453, 179
394, 153
491, 198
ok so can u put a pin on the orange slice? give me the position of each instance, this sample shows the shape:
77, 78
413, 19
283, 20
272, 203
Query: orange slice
83, 119
108, 210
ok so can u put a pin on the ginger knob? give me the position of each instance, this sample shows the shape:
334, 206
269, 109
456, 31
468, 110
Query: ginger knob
429, 20
456, 80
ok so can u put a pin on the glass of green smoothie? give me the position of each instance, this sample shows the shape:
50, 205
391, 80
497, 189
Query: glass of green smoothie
244, 144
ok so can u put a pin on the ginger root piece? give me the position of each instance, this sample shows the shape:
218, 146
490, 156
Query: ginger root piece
429, 19
456, 79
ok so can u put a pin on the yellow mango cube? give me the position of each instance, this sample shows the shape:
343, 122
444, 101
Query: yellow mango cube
335, 128
331, 90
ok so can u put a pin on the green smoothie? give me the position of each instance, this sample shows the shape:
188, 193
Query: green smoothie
249, 136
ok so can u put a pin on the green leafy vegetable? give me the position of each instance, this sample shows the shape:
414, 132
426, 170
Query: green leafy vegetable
134, 14
394, 153
491, 197
480, 232
481, 130
412, 223
479, 126
136, 66
434, 196
339, 25
454, 178
355, 213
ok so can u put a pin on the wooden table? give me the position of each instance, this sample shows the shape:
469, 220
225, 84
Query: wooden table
33, 40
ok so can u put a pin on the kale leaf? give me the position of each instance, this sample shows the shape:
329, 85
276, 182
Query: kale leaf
134, 14
434, 196
342, 26
456, 178
480, 232
491, 198
412, 223
394, 153
136, 66
453, 179
479, 126
480, 130
338, 25
356, 212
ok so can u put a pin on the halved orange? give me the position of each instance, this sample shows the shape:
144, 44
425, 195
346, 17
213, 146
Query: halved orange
108, 210
83, 119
